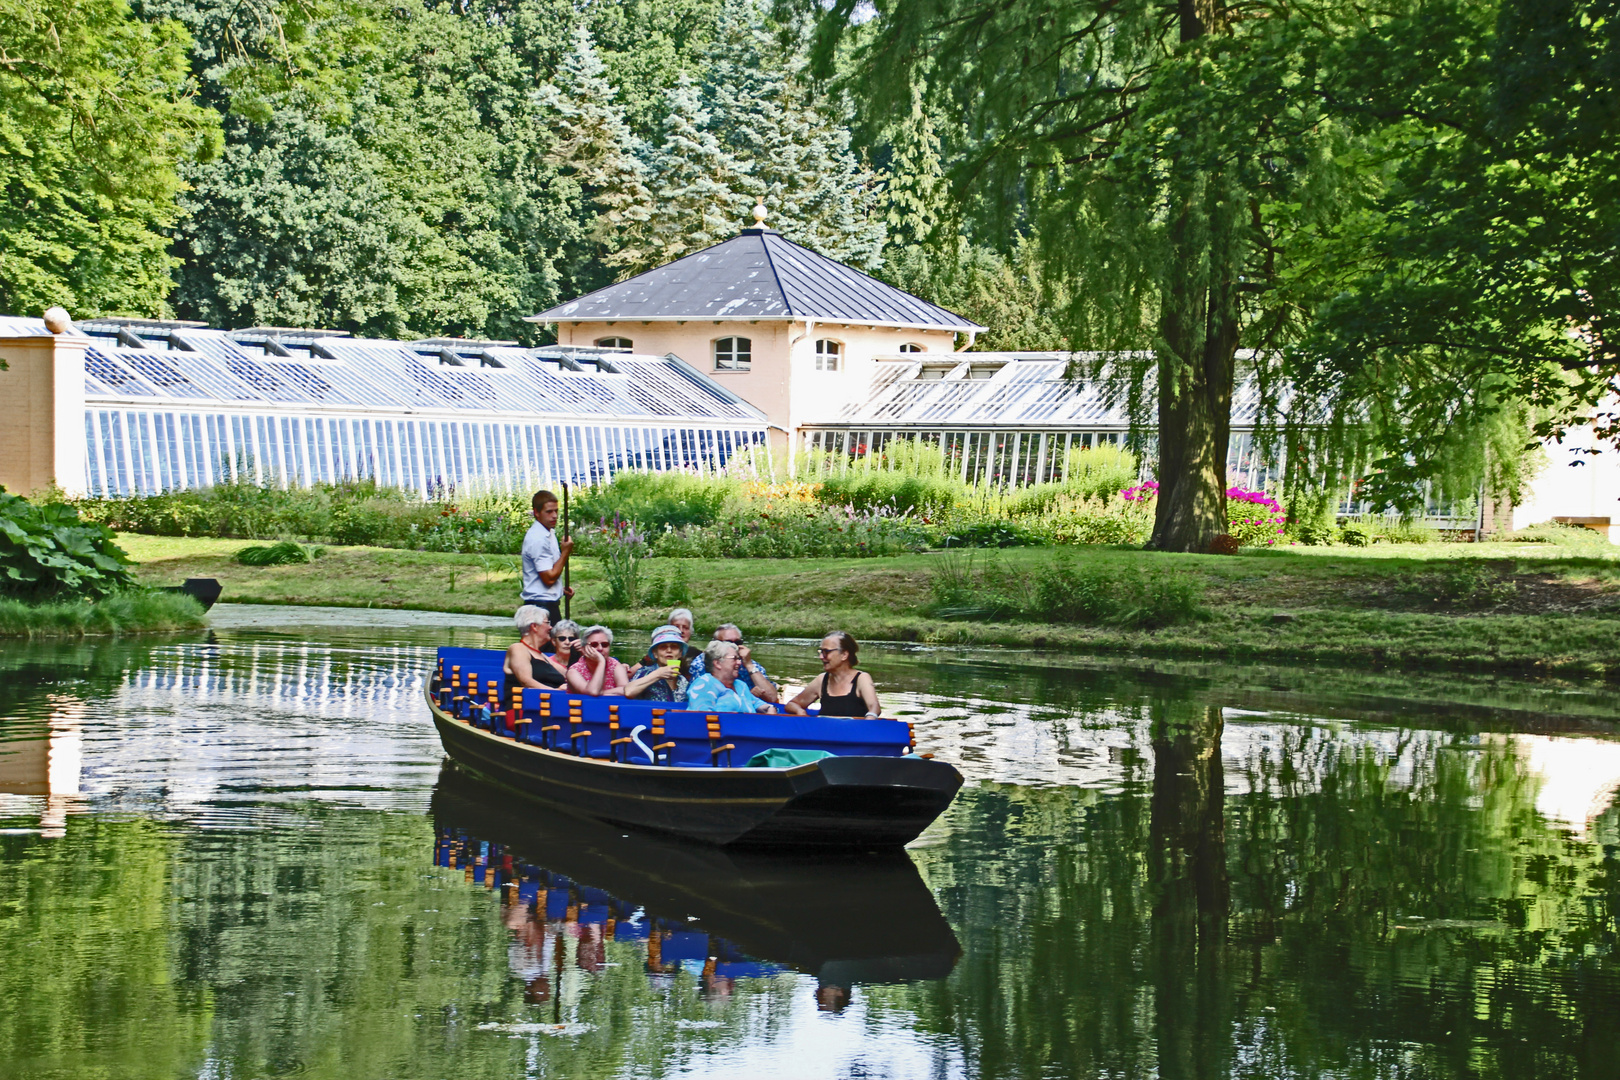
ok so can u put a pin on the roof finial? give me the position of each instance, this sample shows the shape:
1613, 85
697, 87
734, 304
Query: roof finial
760, 214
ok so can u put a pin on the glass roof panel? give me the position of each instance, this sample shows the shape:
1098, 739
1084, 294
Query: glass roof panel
114, 375
156, 369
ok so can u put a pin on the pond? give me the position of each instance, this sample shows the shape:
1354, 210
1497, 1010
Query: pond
240, 854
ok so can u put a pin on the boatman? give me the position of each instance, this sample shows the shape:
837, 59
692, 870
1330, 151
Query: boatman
545, 559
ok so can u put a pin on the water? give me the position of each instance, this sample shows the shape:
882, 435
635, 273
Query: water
239, 855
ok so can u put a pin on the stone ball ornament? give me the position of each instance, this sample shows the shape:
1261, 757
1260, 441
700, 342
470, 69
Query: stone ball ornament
57, 320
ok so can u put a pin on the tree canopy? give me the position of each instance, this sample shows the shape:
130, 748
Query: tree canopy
96, 119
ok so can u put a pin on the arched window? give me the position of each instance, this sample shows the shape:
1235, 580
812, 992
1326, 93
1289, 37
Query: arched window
827, 355
613, 343
733, 354
912, 346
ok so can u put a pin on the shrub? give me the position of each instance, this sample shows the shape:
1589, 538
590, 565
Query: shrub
1133, 598
1064, 592
1355, 534
655, 500
1314, 533
47, 552
1095, 474
1254, 518
991, 534
868, 490
621, 567
668, 590
1409, 531
1471, 585
131, 612
1560, 534
282, 554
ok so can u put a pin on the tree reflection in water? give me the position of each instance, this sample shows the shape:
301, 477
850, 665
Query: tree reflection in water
1191, 895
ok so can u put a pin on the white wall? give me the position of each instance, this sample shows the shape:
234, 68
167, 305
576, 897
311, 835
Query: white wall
1575, 482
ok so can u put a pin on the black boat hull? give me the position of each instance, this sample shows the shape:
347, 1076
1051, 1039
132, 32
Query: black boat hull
843, 802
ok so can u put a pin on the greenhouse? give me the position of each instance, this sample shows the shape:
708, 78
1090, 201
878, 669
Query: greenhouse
1005, 418
175, 405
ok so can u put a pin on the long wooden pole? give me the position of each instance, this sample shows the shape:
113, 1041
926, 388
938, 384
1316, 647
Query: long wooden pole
568, 601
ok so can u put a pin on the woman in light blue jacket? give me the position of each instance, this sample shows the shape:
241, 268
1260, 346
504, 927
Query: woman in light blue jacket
718, 689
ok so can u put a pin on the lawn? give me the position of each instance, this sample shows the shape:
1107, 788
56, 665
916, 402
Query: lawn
1548, 609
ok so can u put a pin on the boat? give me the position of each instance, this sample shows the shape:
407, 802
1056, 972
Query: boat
847, 919
725, 779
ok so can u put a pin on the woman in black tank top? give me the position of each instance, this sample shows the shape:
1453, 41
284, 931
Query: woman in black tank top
525, 665
859, 698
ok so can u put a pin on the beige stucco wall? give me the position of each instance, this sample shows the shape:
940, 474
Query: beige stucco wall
42, 414
783, 381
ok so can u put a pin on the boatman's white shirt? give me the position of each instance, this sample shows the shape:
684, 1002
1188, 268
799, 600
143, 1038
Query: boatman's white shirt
540, 552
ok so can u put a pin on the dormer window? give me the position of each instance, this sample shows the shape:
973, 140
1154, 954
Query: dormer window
733, 354
912, 346
827, 353
613, 343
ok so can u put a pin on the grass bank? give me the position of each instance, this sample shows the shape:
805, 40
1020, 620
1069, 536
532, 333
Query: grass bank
1528, 608
126, 613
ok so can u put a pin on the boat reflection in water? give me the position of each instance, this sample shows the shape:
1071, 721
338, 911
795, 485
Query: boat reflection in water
725, 915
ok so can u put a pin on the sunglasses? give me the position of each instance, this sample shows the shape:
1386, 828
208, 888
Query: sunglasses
564, 637
828, 652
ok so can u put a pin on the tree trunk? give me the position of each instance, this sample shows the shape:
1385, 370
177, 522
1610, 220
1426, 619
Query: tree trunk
1198, 332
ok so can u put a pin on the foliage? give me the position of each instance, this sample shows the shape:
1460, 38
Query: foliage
1492, 237
1559, 534
95, 121
795, 531
416, 193
654, 500
1091, 473
1005, 293
667, 586
134, 611
281, 554
1162, 158
621, 554
47, 552
1064, 591
1254, 518
990, 534
1474, 585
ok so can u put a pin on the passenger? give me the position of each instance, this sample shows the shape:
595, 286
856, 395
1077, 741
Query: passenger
596, 673
719, 689
663, 681
680, 619
749, 669
843, 690
565, 637
526, 665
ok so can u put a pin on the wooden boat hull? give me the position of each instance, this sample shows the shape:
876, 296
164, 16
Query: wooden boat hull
847, 802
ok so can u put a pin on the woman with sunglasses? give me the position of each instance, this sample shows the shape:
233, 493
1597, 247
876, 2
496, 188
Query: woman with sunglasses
565, 637
844, 689
596, 673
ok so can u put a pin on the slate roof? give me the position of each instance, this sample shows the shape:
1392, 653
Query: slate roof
758, 274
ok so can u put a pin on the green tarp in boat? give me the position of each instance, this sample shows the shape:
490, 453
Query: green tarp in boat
777, 758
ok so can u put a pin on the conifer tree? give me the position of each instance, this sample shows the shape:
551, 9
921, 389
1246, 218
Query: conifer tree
596, 147
762, 108
699, 188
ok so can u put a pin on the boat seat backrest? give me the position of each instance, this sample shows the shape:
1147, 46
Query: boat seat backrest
690, 731
754, 734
